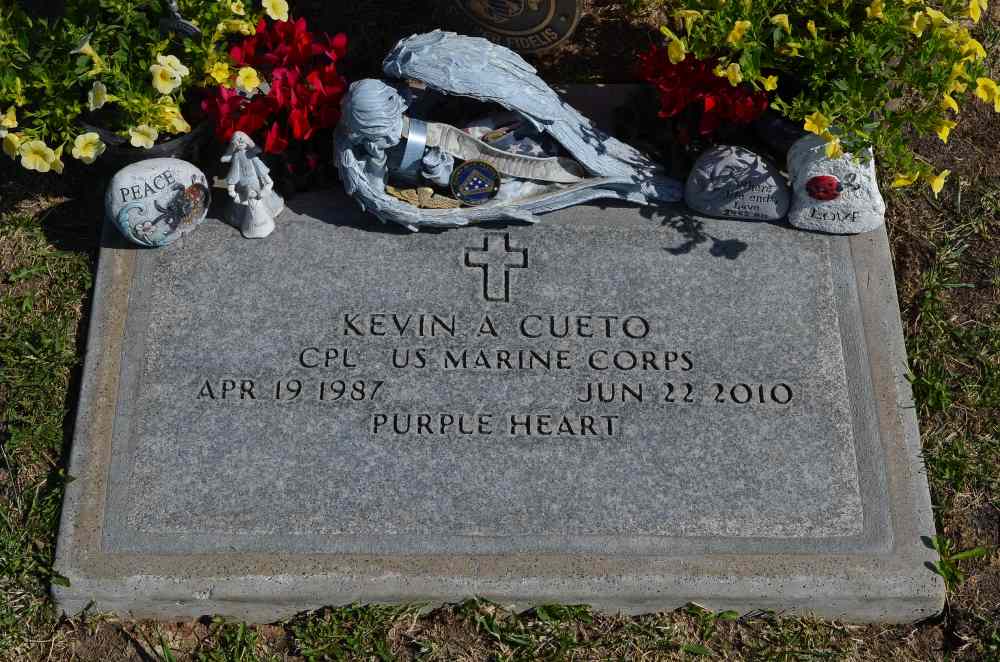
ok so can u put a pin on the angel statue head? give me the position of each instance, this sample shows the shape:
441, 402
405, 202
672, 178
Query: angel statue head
372, 115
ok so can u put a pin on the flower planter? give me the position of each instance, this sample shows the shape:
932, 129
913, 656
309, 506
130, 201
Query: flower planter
121, 153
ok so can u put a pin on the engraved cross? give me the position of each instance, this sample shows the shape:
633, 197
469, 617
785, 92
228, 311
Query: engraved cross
496, 258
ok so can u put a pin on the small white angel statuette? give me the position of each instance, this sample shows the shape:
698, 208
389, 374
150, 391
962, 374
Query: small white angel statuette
255, 204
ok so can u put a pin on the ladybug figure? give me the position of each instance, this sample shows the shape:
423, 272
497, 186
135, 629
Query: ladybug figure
824, 187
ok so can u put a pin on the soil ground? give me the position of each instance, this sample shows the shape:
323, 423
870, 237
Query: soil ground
947, 259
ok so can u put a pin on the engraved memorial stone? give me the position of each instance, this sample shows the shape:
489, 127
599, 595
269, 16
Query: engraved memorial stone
157, 201
601, 409
838, 196
528, 26
733, 182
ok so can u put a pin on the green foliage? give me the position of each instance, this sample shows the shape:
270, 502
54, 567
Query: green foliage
40, 293
97, 63
348, 633
234, 642
947, 564
866, 73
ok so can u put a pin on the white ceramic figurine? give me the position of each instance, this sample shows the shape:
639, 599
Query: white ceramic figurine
254, 202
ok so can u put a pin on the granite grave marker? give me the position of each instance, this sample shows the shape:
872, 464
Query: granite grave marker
626, 408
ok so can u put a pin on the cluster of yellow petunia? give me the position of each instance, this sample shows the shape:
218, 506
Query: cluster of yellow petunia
725, 32
685, 19
168, 73
36, 155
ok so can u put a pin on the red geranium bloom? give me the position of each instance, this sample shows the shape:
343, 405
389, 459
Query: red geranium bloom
693, 82
304, 88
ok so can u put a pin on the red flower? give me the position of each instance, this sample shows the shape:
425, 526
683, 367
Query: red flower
693, 82
304, 90
298, 119
276, 141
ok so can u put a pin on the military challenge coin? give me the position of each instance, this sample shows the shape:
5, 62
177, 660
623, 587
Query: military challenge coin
528, 26
475, 182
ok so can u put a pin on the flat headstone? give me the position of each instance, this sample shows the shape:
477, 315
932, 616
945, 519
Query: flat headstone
344, 412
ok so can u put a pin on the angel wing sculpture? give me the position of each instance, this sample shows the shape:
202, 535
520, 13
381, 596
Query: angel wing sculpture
382, 134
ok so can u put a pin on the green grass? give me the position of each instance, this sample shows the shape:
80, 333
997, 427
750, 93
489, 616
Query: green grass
41, 296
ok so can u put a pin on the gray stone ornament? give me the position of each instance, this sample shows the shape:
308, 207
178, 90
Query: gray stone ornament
157, 201
732, 182
377, 140
837, 196
254, 204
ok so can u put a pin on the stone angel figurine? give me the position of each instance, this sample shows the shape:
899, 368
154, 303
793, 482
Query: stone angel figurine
503, 172
254, 203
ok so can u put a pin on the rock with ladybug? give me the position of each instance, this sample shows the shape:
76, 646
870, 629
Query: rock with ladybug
837, 196
824, 187
157, 201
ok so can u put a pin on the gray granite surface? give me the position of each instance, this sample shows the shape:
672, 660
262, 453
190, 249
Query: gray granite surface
760, 450
207, 465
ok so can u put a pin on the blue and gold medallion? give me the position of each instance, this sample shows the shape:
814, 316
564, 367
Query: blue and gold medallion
475, 182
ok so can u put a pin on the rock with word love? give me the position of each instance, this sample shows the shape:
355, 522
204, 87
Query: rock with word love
157, 201
838, 196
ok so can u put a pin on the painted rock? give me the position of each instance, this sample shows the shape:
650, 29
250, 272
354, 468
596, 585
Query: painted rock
733, 182
838, 196
157, 201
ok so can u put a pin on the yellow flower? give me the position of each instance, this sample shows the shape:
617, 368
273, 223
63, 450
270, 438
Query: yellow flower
973, 50
874, 10
834, 150
165, 79
948, 103
219, 72
171, 116
734, 74
918, 23
770, 83
817, 123
36, 155
277, 10
57, 164
902, 181
11, 145
676, 51
686, 17
986, 89
791, 49
937, 182
736, 34
937, 17
9, 119
944, 130
811, 26
97, 96
976, 8
87, 147
171, 62
143, 136
234, 26
781, 20
237, 8
247, 79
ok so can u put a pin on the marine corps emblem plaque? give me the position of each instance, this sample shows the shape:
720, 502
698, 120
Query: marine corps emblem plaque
528, 26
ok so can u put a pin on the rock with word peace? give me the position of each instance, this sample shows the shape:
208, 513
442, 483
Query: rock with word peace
838, 196
157, 201
733, 182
